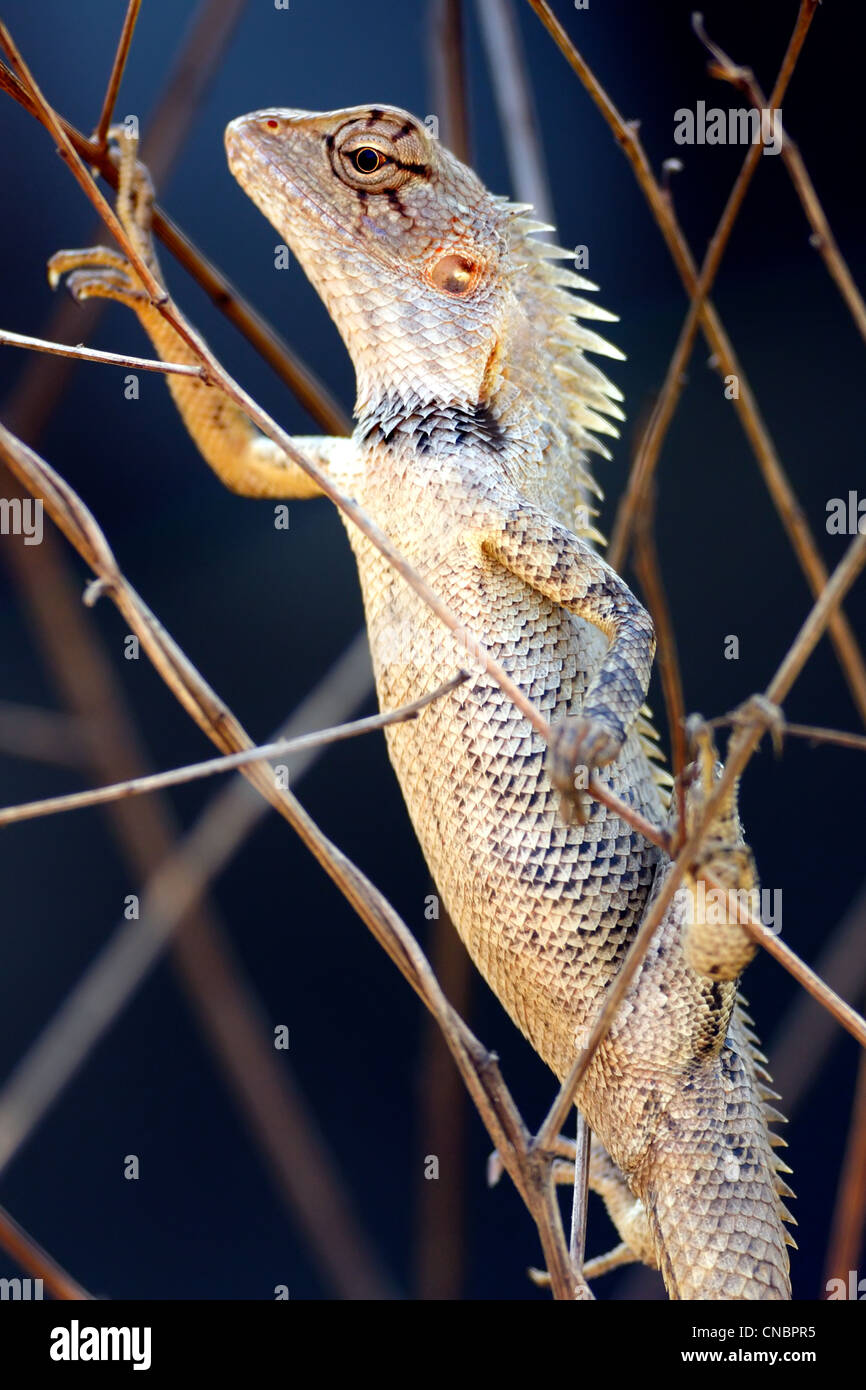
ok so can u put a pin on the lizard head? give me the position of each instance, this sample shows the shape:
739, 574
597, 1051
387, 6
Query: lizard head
403, 243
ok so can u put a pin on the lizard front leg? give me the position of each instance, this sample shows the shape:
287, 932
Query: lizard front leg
566, 570
242, 458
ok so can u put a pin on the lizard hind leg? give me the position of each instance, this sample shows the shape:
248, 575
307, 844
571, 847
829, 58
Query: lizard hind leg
626, 1211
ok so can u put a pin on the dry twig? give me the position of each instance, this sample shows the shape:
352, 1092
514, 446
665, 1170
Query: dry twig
783, 496
529, 1161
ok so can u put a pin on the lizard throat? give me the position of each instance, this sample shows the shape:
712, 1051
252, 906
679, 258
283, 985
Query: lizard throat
430, 426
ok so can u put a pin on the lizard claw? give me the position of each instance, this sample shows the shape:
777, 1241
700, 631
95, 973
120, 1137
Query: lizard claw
96, 273
577, 747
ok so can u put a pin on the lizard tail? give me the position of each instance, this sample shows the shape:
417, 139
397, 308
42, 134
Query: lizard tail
712, 1184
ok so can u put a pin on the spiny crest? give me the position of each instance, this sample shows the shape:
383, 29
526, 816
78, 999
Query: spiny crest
757, 1061
572, 399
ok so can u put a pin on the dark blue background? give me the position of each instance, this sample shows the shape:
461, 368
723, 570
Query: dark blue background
263, 614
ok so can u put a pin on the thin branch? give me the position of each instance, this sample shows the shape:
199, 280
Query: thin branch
175, 777
440, 1126
784, 499
30, 1255
817, 620
218, 377
651, 444
441, 1099
743, 744
449, 75
42, 735
116, 75
822, 236
272, 348
649, 573
849, 1217
85, 354
844, 1014
42, 1073
193, 68
812, 732
577, 1244
806, 1035
513, 94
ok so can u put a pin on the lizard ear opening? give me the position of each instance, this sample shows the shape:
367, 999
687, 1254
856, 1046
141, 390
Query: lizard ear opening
454, 273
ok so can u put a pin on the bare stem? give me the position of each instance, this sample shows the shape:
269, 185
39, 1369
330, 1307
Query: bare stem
85, 354
158, 781
117, 70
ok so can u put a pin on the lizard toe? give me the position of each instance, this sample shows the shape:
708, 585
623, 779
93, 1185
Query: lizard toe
577, 747
88, 283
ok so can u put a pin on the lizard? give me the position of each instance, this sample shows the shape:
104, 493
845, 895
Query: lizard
476, 412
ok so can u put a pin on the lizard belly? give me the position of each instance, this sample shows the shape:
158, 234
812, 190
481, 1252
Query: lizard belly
548, 909
545, 908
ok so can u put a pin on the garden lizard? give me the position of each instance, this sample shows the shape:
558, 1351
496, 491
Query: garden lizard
476, 410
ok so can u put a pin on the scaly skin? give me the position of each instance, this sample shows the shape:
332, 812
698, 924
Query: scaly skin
475, 410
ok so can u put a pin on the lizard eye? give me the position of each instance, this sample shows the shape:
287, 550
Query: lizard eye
367, 159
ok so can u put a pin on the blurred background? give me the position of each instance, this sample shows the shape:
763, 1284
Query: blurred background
265, 614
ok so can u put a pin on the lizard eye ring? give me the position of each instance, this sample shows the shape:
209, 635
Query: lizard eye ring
367, 159
363, 164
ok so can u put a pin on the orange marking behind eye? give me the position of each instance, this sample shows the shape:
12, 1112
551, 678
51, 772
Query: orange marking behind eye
454, 273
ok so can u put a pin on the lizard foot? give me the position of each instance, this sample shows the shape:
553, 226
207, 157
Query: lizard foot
577, 747
97, 272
